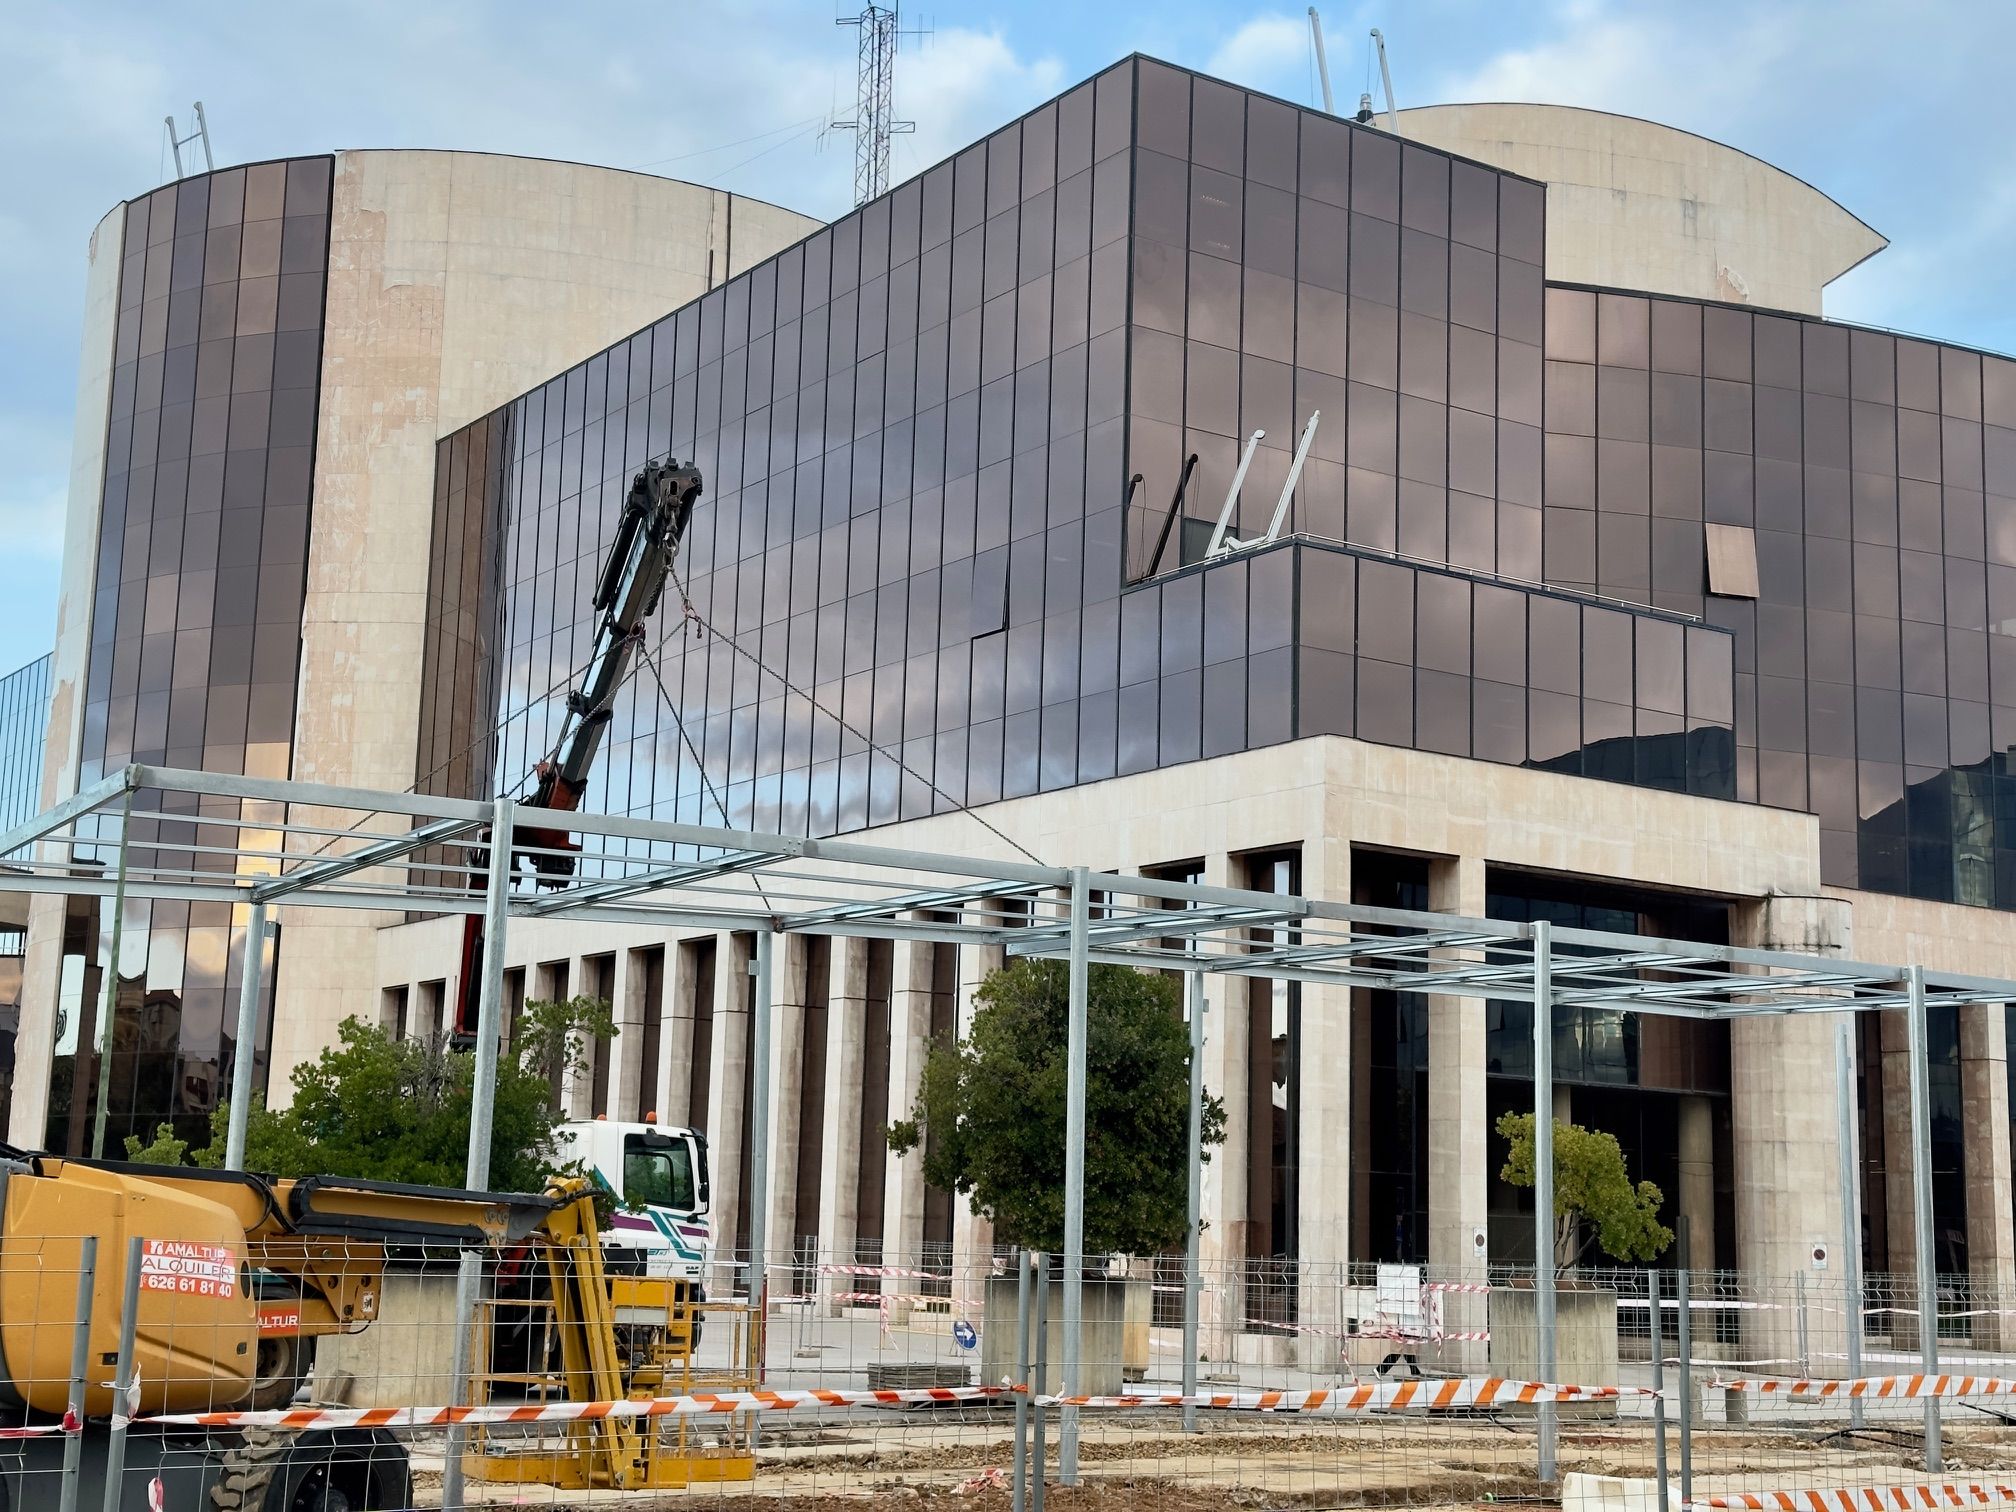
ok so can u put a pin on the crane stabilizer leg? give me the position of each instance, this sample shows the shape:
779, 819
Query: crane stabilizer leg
655, 515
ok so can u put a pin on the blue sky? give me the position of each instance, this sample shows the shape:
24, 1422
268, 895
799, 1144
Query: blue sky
1900, 112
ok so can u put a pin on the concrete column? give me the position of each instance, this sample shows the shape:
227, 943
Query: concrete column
1991, 1223
972, 1235
35, 1041
585, 975
787, 1086
727, 1066
1323, 1185
840, 1136
675, 1036
1222, 1249
626, 1055
903, 1176
1695, 1200
1459, 1126
1783, 1113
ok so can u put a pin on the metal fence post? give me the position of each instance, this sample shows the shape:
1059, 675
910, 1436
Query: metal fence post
1805, 1349
1021, 1474
1851, 1202
468, 1287
1543, 1182
1040, 1382
1073, 1366
80, 1366
1653, 1303
759, 1167
1921, 1205
1193, 1278
122, 1379
1684, 1296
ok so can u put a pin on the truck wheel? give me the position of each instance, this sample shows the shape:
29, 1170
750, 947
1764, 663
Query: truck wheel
282, 1365
330, 1471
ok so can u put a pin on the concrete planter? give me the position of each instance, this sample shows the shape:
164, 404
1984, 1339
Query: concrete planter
1114, 1334
405, 1358
1585, 1339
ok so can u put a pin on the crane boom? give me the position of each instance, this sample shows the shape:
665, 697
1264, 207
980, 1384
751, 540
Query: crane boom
653, 523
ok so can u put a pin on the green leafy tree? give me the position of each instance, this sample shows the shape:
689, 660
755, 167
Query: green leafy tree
163, 1149
1594, 1199
384, 1109
990, 1110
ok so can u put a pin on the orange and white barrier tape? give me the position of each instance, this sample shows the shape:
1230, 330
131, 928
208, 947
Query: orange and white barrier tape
881, 1270
1380, 1396
568, 1412
1858, 1498
1473, 1287
1897, 1387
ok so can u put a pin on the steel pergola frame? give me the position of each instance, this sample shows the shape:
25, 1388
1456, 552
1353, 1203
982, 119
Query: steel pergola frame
254, 842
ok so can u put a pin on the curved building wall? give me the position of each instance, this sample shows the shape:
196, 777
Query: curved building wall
1633, 204
272, 339
457, 280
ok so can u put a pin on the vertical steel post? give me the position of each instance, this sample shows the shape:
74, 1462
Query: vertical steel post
122, 1379
759, 1165
1074, 1177
1851, 1201
1921, 1204
80, 1366
1805, 1347
1193, 1279
246, 1055
1685, 1297
1655, 1306
1040, 1382
468, 1287
1543, 1179
483, 1100
108, 1015
1021, 1477
490, 1003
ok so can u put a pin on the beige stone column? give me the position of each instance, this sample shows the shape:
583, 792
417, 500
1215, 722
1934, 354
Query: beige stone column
1991, 1224
626, 1055
1696, 1198
675, 1035
972, 1235
1459, 1127
903, 1175
1785, 1124
727, 1067
840, 1135
35, 1041
787, 1086
1323, 1097
1222, 1248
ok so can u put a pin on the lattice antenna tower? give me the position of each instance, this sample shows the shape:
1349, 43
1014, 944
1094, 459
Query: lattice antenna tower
874, 122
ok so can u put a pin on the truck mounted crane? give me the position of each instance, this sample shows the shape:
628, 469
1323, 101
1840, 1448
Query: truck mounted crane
654, 520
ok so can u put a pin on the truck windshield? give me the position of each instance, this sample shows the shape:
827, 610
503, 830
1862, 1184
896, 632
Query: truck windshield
658, 1174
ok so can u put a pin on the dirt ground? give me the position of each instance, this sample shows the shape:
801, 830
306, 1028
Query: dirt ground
927, 1463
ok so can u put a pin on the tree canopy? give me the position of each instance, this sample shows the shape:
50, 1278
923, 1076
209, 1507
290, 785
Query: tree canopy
1592, 1187
379, 1108
990, 1112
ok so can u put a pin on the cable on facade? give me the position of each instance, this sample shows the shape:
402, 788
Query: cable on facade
701, 620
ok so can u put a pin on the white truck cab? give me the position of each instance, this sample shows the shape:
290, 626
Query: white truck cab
658, 1177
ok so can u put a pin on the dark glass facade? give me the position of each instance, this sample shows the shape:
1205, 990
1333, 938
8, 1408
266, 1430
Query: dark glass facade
24, 725
963, 449
196, 619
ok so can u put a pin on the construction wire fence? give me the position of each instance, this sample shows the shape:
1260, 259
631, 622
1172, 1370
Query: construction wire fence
546, 1374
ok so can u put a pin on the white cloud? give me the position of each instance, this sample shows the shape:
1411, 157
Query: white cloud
958, 85
1265, 52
